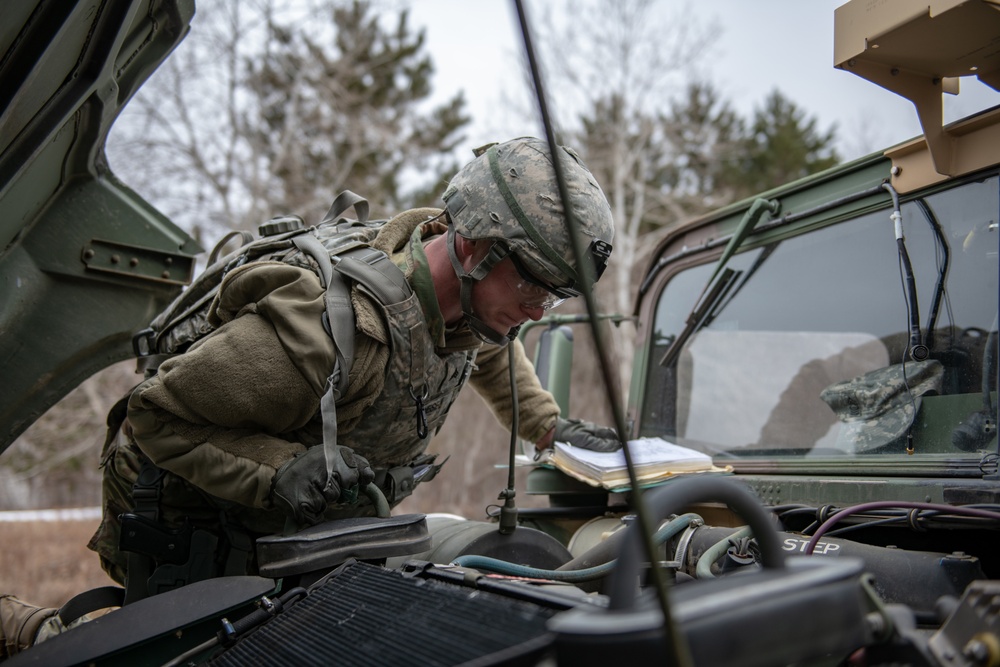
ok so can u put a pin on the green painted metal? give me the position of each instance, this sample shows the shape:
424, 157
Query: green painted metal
555, 352
936, 471
77, 244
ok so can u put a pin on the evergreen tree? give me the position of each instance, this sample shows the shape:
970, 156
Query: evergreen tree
336, 107
780, 146
701, 155
705, 136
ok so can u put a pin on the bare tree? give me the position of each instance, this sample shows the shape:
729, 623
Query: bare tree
179, 141
54, 463
611, 67
274, 107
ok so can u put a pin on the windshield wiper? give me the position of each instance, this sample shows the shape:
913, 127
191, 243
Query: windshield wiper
721, 280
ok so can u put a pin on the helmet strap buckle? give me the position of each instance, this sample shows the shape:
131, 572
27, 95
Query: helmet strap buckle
466, 279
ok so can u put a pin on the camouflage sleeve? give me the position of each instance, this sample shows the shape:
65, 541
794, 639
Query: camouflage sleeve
538, 409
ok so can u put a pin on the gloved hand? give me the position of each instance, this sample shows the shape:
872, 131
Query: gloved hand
300, 488
586, 435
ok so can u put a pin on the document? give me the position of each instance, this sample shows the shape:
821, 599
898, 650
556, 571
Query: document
655, 459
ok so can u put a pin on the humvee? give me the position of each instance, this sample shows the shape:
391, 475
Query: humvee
830, 343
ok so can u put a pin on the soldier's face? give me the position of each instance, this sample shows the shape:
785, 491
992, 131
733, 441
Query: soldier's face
499, 304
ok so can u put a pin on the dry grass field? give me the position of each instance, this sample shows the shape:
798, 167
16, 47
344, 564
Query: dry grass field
48, 562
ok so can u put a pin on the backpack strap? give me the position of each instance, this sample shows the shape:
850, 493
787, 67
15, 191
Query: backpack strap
338, 319
246, 238
344, 201
311, 246
375, 271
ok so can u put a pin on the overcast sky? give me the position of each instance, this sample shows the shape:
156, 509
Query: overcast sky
764, 44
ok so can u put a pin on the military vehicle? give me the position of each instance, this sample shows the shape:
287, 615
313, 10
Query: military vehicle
832, 344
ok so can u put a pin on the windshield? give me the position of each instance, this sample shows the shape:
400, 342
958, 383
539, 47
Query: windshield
807, 355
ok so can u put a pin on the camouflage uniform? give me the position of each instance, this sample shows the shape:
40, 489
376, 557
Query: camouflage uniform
877, 410
224, 416
19, 624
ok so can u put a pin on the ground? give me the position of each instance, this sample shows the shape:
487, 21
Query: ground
47, 562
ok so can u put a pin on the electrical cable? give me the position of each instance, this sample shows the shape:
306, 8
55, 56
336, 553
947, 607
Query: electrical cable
944, 252
864, 507
232, 630
508, 513
882, 519
676, 645
917, 350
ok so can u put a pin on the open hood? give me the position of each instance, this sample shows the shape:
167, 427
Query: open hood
84, 261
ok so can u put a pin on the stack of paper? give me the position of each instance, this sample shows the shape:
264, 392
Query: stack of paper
654, 459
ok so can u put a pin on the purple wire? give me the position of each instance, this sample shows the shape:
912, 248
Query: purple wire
883, 504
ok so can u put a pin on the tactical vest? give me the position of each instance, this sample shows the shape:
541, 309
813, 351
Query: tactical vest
420, 386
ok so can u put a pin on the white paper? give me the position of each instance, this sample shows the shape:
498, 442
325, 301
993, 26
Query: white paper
644, 451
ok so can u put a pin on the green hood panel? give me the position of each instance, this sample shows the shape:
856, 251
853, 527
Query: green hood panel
84, 261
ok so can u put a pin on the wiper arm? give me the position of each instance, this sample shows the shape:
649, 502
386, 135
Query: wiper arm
715, 290
703, 312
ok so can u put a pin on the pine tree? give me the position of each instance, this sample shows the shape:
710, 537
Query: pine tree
336, 107
704, 134
781, 145
268, 108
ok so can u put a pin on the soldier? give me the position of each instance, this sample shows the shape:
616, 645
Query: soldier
228, 437
233, 426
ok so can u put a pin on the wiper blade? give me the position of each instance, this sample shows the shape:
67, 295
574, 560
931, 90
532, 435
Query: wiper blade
715, 290
703, 312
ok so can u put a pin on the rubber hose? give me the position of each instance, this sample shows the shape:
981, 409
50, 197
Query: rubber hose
571, 576
683, 492
704, 568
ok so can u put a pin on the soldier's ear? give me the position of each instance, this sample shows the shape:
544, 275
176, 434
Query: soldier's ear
465, 247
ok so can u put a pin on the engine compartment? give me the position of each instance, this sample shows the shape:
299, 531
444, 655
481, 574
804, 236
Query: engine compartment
755, 594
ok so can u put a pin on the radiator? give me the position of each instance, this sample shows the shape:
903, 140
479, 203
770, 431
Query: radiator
365, 614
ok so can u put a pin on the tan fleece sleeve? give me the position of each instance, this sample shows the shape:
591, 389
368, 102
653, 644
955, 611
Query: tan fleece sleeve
223, 415
538, 410
292, 300
213, 415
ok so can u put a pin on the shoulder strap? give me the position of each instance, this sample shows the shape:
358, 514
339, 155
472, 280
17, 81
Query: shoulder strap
385, 281
373, 269
311, 246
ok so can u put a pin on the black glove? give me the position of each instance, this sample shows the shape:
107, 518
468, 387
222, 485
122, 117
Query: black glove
300, 486
586, 435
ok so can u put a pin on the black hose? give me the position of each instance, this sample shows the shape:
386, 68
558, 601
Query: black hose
261, 614
678, 494
939, 288
231, 631
917, 350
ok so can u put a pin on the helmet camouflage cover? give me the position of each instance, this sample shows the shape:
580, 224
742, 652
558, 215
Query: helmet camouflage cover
509, 194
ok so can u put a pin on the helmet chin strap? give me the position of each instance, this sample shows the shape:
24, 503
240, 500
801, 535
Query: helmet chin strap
467, 279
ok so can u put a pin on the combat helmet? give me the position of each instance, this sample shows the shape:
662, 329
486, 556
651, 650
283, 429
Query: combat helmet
509, 195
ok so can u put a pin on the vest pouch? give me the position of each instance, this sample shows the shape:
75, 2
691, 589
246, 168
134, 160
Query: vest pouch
399, 482
396, 483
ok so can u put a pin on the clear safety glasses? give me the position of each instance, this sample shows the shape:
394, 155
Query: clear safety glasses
532, 296
532, 292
